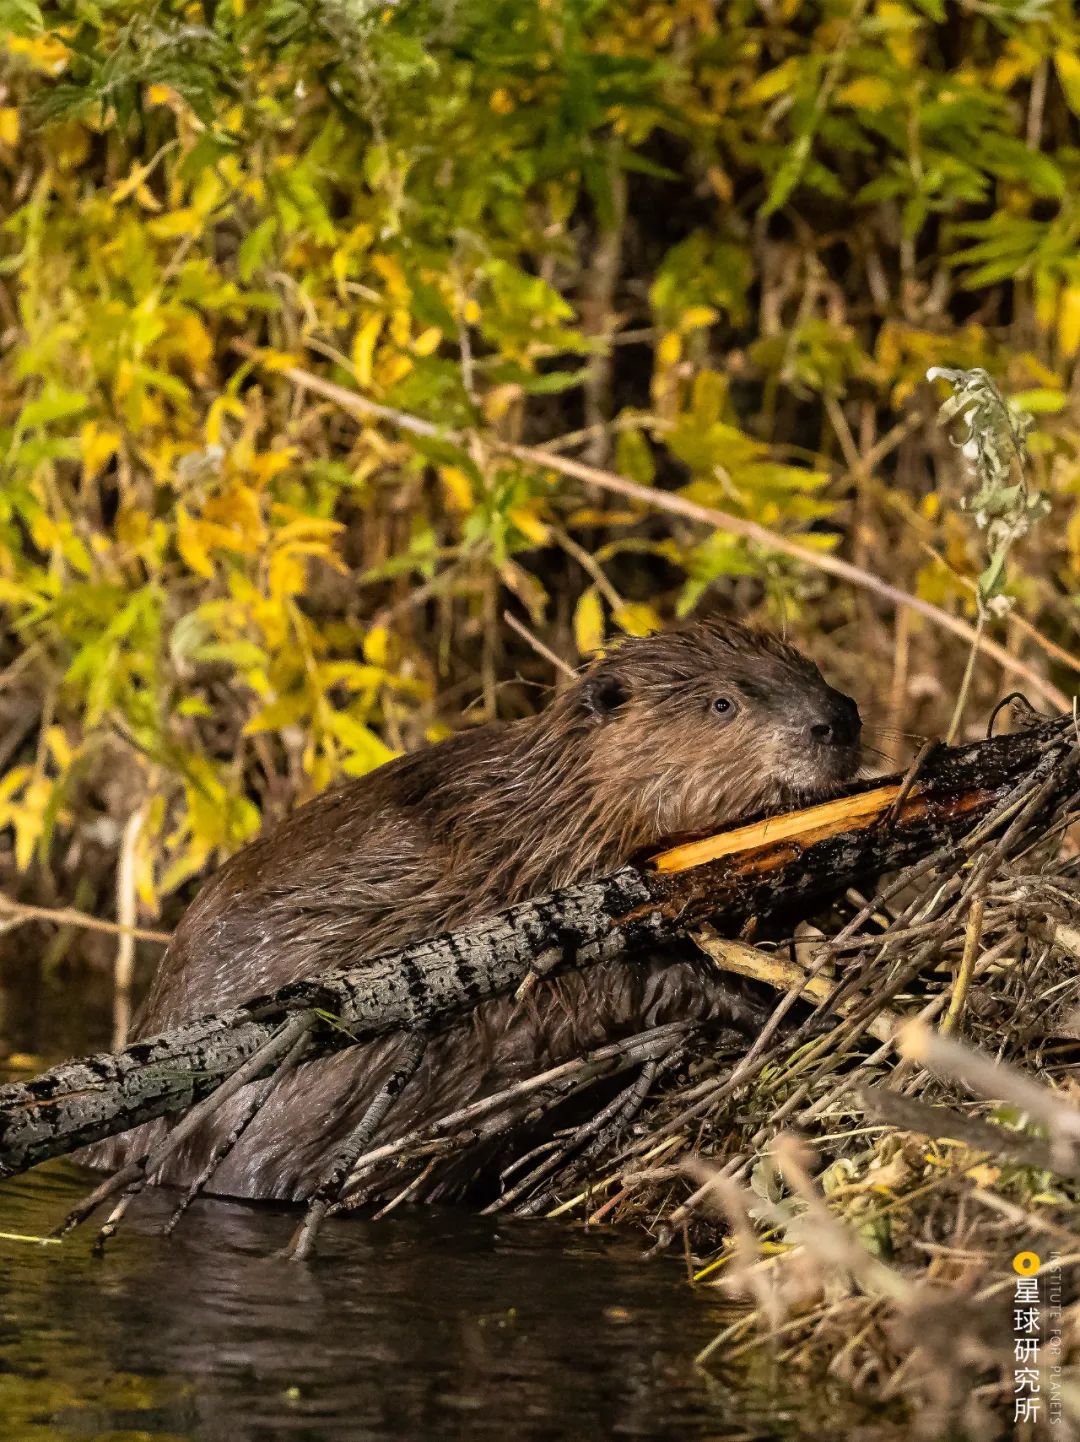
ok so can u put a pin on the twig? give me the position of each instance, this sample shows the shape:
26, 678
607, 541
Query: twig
776, 972
993, 1080
330, 1188
67, 916
965, 684
126, 900
224, 1145
940, 1123
567, 1075
967, 963
538, 646
145, 1166
410, 1188
596, 1136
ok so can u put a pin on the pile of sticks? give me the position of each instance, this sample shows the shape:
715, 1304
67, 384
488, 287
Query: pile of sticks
947, 833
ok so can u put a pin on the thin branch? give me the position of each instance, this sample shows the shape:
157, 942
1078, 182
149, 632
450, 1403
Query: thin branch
967, 963
126, 903
20, 912
537, 645
136, 1172
224, 1145
329, 1190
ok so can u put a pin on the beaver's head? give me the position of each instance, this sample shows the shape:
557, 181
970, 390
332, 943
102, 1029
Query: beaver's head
697, 726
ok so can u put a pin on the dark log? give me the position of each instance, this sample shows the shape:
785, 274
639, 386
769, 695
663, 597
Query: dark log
769, 868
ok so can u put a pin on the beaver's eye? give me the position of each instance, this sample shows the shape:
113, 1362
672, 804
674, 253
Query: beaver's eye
722, 705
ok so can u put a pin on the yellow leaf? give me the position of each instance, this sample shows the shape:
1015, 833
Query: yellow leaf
9, 125
637, 619
983, 1175
145, 884
221, 407
898, 23
277, 360
696, 316
427, 341
286, 711
500, 398
363, 349
867, 92
146, 198
191, 545
131, 182
589, 623
377, 645
176, 223
14, 594
59, 748
194, 341
394, 368
471, 312
669, 350
286, 575
1067, 64
308, 528
1019, 59
28, 820
401, 326
265, 465
44, 52
96, 445
11, 783
529, 524
501, 102
389, 269
458, 488
366, 750
235, 520
44, 531
772, 83
26, 835
1068, 321
353, 674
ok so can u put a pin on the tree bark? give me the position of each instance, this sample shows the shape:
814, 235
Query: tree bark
777, 869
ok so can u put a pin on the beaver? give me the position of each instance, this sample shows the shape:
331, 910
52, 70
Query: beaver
676, 732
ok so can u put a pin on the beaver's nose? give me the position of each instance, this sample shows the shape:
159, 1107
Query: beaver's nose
840, 722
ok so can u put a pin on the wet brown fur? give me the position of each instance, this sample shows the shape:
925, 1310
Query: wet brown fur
631, 752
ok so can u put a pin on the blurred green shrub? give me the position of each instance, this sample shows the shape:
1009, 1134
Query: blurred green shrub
715, 247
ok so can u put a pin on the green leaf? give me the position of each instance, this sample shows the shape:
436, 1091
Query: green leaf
255, 247
634, 458
53, 404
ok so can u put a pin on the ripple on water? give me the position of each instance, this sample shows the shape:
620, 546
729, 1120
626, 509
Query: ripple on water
425, 1325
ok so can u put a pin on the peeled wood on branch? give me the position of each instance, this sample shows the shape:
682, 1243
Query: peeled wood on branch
775, 868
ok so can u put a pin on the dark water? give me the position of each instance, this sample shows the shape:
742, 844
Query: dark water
427, 1325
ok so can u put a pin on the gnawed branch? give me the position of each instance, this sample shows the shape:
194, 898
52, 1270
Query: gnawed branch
772, 869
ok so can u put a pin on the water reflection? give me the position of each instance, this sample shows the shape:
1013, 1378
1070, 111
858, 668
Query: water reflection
420, 1326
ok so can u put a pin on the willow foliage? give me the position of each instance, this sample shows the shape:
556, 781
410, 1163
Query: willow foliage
712, 247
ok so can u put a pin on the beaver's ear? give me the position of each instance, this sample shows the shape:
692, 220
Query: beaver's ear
602, 692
